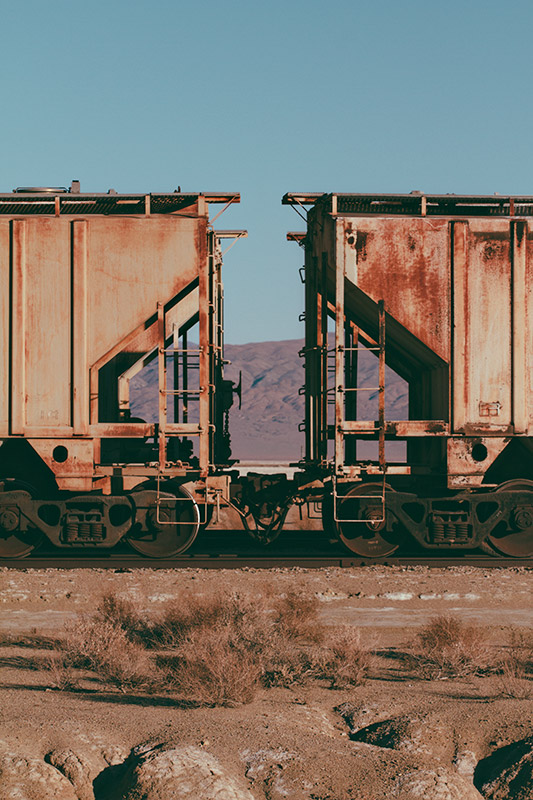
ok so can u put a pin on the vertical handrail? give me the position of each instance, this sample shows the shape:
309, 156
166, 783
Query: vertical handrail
176, 371
162, 382
381, 384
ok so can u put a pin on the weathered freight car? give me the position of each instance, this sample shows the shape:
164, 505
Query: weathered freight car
92, 287
439, 287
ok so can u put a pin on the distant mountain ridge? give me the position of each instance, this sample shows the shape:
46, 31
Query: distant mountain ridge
266, 426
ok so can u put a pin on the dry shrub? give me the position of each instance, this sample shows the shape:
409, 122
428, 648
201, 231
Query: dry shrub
103, 647
213, 650
186, 616
344, 659
213, 667
218, 643
296, 616
123, 613
514, 667
285, 664
62, 675
226, 647
446, 647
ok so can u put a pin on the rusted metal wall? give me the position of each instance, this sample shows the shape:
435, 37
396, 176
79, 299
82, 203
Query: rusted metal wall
454, 273
462, 289
78, 288
4, 329
405, 262
91, 286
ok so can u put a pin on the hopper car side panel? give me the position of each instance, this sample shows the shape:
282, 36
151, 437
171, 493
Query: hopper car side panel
4, 328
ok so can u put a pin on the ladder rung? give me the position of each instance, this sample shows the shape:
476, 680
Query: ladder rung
364, 388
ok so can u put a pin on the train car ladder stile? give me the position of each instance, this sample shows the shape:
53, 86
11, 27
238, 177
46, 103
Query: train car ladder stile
381, 425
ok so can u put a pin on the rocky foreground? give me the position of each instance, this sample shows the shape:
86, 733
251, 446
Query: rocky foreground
399, 735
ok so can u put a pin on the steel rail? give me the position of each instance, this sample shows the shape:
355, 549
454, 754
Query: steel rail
234, 561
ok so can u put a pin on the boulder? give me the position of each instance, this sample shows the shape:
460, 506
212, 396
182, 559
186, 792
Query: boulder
275, 772
166, 772
32, 779
76, 769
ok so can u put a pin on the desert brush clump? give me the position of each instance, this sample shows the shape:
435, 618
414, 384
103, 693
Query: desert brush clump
211, 650
345, 658
187, 615
213, 666
448, 647
123, 613
515, 665
101, 646
296, 615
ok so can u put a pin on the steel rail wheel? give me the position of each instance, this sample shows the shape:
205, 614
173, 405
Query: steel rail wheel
15, 543
514, 536
368, 538
172, 527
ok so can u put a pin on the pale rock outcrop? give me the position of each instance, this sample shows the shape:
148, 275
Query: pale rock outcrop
271, 771
438, 784
76, 769
167, 772
32, 779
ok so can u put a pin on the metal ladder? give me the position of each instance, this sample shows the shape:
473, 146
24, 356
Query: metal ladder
380, 349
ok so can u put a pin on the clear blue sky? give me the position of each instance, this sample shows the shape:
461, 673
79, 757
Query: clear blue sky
265, 98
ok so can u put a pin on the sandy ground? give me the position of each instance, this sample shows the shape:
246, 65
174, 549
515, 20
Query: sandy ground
288, 742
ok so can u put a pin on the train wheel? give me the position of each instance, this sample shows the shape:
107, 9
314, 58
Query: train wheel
15, 543
172, 527
517, 542
369, 537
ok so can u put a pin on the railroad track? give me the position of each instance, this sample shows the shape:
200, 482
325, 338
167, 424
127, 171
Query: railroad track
235, 561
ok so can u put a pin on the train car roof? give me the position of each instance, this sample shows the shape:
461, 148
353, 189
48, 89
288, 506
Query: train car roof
416, 204
55, 201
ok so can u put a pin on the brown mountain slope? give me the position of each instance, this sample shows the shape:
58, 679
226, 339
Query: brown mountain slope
266, 426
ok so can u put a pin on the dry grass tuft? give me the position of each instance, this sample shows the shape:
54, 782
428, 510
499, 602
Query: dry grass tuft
515, 666
186, 616
62, 675
123, 613
446, 647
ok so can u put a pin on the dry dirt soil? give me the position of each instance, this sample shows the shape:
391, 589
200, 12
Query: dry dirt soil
308, 741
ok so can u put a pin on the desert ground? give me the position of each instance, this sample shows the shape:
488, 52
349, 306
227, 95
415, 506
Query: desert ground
405, 731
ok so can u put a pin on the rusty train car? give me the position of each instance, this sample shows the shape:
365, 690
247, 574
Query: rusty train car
440, 289
94, 287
